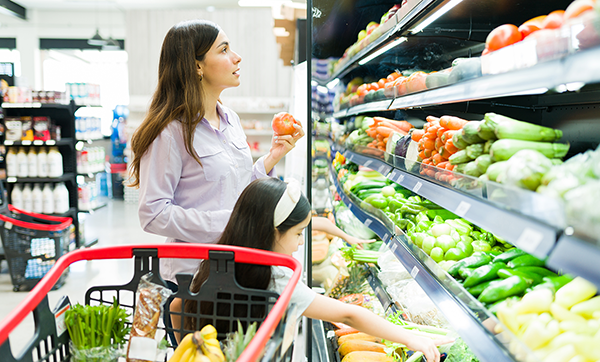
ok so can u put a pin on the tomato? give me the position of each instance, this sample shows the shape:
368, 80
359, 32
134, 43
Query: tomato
577, 8
373, 86
485, 51
528, 28
362, 89
381, 83
502, 36
416, 82
400, 85
393, 76
554, 20
283, 123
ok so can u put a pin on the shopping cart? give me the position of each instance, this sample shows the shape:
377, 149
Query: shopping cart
32, 245
270, 343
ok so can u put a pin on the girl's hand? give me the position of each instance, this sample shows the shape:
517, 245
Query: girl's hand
358, 242
428, 346
282, 144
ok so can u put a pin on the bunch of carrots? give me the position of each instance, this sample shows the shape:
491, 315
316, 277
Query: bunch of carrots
383, 128
436, 146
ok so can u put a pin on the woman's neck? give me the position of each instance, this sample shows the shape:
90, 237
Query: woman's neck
210, 110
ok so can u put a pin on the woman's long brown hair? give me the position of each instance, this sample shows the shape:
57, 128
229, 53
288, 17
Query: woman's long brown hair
179, 93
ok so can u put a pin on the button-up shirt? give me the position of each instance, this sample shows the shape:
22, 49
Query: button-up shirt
186, 201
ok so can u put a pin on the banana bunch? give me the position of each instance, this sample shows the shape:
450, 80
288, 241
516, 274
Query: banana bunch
200, 346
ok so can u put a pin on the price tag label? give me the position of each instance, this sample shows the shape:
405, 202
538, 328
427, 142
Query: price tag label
368, 163
50, 142
393, 247
26, 143
414, 272
349, 206
9, 143
529, 240
462, 208
11, 179
59, 317
368, 222
382, 169
400, 178
417, 186
38, 143
386, 238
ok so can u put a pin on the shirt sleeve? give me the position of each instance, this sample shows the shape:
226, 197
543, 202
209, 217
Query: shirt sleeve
160, 171
259, 171
302, 296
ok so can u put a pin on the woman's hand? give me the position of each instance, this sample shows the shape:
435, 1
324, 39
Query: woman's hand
428, 346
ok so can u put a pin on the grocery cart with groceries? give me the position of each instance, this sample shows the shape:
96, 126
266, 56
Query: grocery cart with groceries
118, 322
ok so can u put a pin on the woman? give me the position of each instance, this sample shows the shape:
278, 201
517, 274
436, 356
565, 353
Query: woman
191, 159
271, 215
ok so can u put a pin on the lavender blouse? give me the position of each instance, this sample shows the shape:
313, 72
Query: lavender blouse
185, 201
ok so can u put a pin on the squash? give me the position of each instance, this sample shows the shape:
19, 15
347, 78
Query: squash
320, 249
362, 356
359, 345
358, 336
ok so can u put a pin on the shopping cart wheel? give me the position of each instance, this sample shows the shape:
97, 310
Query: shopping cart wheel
16, 288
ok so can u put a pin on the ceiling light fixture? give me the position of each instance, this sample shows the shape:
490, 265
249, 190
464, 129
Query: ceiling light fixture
97, 39
382, 50
435, 16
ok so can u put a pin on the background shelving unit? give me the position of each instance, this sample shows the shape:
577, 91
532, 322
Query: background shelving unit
560, 93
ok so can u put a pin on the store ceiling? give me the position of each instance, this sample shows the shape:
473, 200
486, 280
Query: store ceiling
127, 4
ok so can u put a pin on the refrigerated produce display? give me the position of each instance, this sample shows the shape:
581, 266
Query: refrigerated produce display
465, 134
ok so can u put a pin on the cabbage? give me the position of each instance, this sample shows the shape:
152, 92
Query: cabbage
526, 168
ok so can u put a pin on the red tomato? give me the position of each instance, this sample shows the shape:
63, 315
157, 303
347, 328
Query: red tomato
577, 8
393, 76
362, 89
502, 36
416, 82
554, 20
528, 28
381, 83
283, 123
485, 51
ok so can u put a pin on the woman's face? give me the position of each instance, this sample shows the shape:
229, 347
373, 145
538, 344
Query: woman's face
288, 242
220, 67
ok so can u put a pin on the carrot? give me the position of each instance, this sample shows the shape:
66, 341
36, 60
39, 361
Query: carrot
344, 331
450, 147
385, 140
429, 144
437, 158
417, 135
371, 132
430, 173
384, 131
444, 152
441, 131
428, 152
422, 154
432, 119
443, 164
427, 161
434, 152
447, 136
381, 144
453, 123
432, 131
438, 144
403, 125
389, 125
450, 167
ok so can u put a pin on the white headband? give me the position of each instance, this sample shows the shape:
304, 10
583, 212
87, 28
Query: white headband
287, 202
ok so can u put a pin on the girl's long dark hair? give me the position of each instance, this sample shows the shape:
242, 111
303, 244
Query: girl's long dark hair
251, 226
179, 92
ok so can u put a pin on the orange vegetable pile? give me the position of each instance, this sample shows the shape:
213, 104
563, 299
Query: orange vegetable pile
436, 146
354, 346
383, 128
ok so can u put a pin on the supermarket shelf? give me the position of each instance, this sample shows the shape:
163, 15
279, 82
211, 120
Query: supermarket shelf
576, 255
63, 178
464, 313
61, 142
36, 105
576, 68
529, 234
389, 307
90, 174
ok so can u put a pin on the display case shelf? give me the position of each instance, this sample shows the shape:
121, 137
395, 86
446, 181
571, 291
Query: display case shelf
63, 178
469, 318
61, 142
388, 304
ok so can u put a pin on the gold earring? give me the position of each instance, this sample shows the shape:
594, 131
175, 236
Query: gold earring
200, 77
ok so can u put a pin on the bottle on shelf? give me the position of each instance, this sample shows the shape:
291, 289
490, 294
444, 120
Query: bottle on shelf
23, 167
12, 163
37, 199
55, 162
27, 198
42, 162
16, 197
32, 166
61, 198
48, 199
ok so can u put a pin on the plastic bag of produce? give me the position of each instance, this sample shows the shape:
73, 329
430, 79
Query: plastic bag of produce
525, 169
581, 207
392, 271
417, 305
346, 221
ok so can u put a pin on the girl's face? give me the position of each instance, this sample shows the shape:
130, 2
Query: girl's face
220, 68
288, 242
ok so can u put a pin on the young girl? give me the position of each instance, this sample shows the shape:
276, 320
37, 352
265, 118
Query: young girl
271, 215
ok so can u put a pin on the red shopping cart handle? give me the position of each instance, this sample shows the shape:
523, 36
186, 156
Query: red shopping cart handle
170, 250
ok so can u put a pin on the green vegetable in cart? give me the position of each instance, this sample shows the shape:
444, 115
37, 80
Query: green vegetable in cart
428, 244
437, 254
445, 242
465, 248
483, 274
504, 149
517, 130
480, 245
505, 288
525, 260
363, 194
394, 205
368, 185
487, 146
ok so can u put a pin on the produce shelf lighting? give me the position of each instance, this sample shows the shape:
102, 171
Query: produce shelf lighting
333, 83
435, 16
382, 50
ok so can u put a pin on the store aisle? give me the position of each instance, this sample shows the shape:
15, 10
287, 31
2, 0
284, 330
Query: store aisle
116, 224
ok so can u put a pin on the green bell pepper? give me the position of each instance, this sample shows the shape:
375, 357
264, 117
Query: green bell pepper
394, 204
412, 208
480, 245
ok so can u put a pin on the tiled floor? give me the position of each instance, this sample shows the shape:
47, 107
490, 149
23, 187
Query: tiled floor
116, 224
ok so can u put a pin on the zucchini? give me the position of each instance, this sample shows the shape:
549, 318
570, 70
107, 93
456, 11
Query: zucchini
458, 141
487, 146
486, 132
459, 157
503, 149
483, 162
509, 128
475, 150
472, 170
469, 133
495, 169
